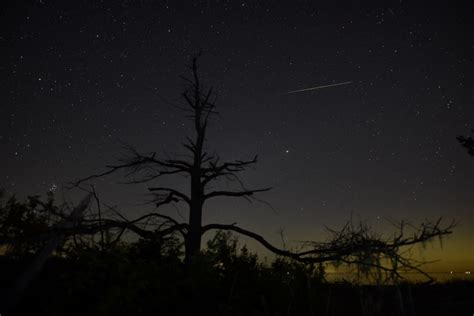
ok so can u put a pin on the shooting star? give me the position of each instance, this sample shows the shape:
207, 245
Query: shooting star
320, 87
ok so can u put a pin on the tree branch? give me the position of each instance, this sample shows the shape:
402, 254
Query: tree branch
252, 235
137, 163
110, 224
246, 193
358, 246
172, 193
228, 168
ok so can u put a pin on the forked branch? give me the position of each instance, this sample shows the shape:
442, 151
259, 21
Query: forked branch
359, 246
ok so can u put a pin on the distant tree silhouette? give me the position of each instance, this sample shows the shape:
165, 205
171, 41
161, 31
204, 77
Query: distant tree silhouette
353, 245
467, 142
21, 223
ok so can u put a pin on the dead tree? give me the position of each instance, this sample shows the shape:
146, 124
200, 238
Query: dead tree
202, 168
350, 245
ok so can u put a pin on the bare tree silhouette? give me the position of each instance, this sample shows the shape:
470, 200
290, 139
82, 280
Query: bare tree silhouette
353, 245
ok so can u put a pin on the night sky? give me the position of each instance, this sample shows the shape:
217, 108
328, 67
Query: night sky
78, 79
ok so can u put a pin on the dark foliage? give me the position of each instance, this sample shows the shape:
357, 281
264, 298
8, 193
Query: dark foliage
21, 223
145, 277
148, 276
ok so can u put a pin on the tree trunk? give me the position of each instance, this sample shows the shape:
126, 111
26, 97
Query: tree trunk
193, 240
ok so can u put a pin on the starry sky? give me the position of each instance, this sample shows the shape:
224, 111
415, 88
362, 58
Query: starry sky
79, 79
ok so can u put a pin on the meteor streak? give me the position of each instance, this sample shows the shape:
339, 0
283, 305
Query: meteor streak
320, 87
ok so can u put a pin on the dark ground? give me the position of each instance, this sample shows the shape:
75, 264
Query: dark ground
127, 284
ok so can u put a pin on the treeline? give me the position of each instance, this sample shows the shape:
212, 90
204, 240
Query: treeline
100, 276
